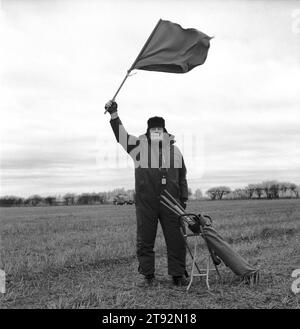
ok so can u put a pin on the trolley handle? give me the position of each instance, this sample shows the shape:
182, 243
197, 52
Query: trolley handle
192, 220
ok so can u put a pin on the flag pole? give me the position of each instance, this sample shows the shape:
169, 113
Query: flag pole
126, 76
122, 83
138, 56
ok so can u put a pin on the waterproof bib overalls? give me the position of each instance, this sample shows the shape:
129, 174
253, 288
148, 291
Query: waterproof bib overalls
158, 166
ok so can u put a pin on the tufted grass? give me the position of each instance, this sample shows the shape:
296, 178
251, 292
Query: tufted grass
84, 257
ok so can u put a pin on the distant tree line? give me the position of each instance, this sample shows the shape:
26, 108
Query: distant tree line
266, 189
68, 199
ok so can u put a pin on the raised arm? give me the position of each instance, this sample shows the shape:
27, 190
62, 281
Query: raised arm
128, 141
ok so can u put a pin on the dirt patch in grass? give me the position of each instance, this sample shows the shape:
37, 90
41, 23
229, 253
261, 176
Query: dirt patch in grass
263, 234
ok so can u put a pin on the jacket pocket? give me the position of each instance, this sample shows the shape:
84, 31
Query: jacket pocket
173, 188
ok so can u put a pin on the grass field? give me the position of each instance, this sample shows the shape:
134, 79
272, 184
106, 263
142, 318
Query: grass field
84, 257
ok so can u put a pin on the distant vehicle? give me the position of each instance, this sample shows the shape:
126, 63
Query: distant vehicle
122, 199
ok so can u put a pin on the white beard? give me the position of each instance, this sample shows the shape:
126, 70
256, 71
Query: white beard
156, 136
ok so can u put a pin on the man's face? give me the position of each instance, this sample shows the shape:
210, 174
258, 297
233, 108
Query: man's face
156, 134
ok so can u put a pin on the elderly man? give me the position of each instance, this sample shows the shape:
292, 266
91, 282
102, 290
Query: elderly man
159, 165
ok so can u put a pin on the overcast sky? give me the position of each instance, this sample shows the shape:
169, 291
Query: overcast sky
236, 118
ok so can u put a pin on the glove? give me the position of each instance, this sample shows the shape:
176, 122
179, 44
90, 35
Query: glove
111, 107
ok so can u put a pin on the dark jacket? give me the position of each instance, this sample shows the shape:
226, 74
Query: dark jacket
153, 164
